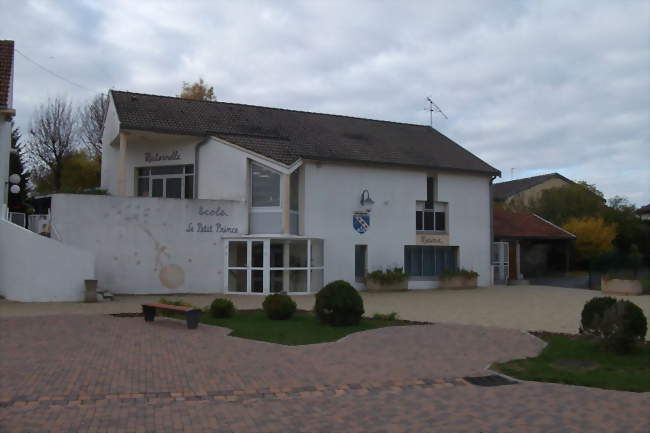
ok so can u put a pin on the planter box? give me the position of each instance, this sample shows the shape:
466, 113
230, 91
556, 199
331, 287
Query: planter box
616, 286
458, 283
374, 286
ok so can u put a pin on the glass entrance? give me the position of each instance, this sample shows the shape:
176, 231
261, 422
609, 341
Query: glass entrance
274, 265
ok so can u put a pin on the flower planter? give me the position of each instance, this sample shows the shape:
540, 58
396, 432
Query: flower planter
375, 286
458, 283
616, 286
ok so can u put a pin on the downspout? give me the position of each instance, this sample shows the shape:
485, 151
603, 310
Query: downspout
491, 230
196, 165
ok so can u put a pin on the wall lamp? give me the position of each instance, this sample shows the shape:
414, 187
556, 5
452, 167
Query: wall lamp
365, 198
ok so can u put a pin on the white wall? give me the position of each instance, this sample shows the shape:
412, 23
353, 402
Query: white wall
34, 268
145, 245
223, 172
469, 220
332, 193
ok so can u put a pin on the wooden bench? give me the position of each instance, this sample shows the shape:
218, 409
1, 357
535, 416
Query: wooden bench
192, 315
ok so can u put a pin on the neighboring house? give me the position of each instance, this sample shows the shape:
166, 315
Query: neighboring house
535, 247
520, 193
272, 199
644, 212
6, 114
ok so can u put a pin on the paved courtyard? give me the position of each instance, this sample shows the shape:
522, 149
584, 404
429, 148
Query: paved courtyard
546, 308
98, 373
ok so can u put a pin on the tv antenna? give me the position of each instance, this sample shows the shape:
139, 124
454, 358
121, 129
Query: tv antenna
433, 108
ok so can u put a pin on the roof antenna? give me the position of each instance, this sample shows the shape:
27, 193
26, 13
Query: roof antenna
433, 107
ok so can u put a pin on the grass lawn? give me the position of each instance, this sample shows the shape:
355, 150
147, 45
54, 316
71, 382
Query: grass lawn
302, 328
580, 361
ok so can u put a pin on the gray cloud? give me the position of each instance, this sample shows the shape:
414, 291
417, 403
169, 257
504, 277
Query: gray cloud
538, 86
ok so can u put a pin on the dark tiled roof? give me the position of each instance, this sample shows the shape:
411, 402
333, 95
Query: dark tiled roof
6, 66
503, 190
287, 135
525, 225
643, 210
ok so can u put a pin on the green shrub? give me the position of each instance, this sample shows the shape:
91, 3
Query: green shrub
454, 273
618, 324
221, 308
339, 304
594, 309
179, 303
388, 276
279, 306
389, 316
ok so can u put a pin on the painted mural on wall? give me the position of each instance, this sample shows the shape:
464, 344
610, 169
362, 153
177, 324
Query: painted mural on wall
151, 245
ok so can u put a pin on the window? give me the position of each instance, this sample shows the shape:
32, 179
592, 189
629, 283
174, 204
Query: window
265, 187
427, 262
360, 262
169, 181
434, 219
274, 265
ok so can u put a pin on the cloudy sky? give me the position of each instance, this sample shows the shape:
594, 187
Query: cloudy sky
529, 86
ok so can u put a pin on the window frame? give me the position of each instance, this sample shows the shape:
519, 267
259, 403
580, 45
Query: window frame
267, 268
151, 177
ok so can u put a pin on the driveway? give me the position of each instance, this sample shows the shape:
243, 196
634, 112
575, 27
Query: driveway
554, 309
98, 373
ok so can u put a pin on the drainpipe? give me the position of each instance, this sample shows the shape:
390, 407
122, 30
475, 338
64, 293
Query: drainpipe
491, 230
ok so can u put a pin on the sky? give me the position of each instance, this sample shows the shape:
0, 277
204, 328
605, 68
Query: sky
530, 87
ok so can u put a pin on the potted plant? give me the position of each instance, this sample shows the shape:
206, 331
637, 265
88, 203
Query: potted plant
388, 280
458, 279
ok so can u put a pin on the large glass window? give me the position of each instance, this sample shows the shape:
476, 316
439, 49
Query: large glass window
265, 186
170, 181
274, 265
427, 262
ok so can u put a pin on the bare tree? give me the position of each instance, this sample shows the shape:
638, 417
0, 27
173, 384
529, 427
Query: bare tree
91, 124
52, 137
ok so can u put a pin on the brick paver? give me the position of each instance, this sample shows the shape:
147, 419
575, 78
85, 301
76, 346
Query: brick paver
103, 374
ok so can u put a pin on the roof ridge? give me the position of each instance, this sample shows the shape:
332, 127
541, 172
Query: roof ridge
275, 108
530, 177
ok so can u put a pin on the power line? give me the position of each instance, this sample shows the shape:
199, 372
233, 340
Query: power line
54, 73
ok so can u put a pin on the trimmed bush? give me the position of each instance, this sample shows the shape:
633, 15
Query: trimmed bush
618, 324
279, 306
339, 304
594, 309
221, 308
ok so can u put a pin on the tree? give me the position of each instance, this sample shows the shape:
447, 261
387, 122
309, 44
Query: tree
17, 165
579, 200
593, 236
198, 90
52, 138
91, 124
81, 173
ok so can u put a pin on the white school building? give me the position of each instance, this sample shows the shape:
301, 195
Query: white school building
211, 197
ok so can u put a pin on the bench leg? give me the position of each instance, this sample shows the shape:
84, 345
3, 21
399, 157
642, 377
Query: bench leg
193, 319
149, 313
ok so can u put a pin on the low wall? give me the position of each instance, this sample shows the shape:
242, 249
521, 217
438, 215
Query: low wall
148, 245
34, 268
